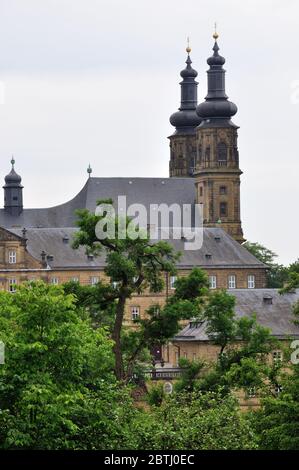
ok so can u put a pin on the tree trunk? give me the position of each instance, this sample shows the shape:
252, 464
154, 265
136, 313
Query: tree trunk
116, 335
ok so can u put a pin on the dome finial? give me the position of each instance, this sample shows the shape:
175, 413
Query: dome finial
12, 161
89, 170
188, 48
215, 35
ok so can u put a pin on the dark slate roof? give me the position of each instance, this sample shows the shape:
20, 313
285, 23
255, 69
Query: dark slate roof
144, 191
278, 316
225, 253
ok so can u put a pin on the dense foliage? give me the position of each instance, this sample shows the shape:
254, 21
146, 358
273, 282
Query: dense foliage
58, 388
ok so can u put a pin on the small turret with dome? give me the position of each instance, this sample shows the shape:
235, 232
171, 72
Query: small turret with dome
13, 192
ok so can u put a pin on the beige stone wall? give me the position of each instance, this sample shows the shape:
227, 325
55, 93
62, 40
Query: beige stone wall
182, 155
219, 181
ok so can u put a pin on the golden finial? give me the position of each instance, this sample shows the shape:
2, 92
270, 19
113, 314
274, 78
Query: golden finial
215, 35
188, 48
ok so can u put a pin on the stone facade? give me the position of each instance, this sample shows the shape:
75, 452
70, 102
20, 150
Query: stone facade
217, 179
182, 155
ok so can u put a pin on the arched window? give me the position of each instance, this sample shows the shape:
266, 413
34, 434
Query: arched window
222, 153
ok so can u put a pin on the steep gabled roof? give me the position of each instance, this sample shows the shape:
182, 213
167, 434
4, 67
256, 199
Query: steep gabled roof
224, 250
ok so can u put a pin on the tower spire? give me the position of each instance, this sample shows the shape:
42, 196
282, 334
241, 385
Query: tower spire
185, 121
216, 108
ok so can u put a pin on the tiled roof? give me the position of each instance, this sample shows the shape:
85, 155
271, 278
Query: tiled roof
272, 310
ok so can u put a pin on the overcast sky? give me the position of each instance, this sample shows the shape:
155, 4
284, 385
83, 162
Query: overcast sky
96, 81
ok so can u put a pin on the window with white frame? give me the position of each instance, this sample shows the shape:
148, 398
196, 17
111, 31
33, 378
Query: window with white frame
194, 356
213, 282
251, 392
172, 282
232, 281
12, 285
251, 281
135, 313
54, 280
114, 284
94, 280
75, 279
12, 256
277, 356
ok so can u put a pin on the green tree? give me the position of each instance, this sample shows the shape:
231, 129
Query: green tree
57, 387
277, 422
194, 420
277, 273
244, 346
133, 264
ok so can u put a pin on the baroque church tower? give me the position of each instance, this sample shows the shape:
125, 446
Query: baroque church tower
185, 120
205, 146
217, 174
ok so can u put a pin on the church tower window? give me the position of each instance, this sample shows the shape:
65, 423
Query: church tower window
223, 209
222, 154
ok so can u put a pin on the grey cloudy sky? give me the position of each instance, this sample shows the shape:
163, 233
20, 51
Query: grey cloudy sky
96, 81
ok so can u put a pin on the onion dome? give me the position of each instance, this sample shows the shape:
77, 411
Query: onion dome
185, 120
216, 109
12, 178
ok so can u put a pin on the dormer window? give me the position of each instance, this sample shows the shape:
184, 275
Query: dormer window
268, 300
12, 256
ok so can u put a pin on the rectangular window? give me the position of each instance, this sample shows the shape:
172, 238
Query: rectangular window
223, 209
223, 190
251, 392
135, 313
200, 191
12, 285
12, 257
54, 280
232, 281
213, 282
251, 281
94, 280
185, 355
172, 282
194, 357
277, 356
75, 279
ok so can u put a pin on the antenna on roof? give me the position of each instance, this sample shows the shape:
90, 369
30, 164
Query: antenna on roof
89, 170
